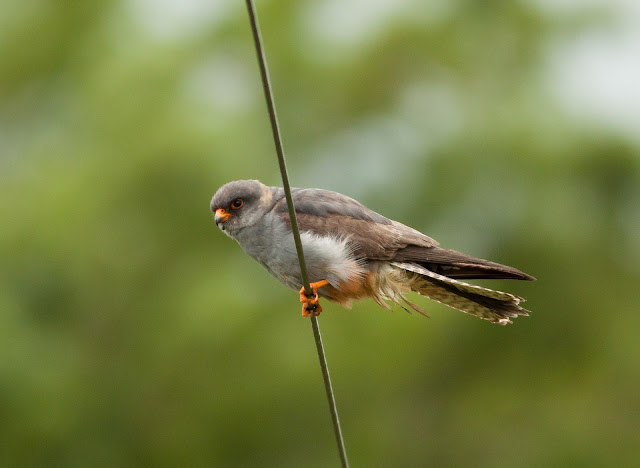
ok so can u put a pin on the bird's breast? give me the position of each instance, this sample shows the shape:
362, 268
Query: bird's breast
328, 258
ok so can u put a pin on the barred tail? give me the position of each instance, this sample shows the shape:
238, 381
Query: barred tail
488, 304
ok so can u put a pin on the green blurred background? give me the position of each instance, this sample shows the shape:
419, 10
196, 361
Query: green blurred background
134, 333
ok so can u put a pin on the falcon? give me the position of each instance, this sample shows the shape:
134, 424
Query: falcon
352, 253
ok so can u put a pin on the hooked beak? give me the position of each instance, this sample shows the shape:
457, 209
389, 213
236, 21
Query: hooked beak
221, 216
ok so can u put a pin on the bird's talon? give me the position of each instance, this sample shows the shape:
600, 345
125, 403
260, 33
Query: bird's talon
306, 299
311, 304
311, 309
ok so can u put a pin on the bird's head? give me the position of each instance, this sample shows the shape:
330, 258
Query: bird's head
239, 204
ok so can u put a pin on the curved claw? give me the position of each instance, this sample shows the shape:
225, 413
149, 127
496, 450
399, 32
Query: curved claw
311, 309
311, 305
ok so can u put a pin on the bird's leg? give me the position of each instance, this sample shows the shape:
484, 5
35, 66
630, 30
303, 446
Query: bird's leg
311, 305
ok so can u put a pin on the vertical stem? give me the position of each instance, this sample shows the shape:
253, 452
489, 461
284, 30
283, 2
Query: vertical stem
275, 128
337, 430
266, 84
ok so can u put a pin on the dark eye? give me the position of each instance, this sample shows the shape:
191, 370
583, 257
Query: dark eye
237, 203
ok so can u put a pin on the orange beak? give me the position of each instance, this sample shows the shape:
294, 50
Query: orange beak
222, 215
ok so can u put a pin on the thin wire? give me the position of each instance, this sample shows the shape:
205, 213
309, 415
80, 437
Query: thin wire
337, 430
266, 84
275, 128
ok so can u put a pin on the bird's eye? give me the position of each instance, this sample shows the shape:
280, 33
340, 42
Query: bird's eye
237, 203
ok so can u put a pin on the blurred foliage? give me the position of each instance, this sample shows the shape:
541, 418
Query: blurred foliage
134, 333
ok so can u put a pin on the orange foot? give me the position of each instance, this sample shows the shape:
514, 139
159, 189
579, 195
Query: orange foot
311, 305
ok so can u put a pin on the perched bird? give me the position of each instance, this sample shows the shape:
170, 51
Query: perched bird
352, 252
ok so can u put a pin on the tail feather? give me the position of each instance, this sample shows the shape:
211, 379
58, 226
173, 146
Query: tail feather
488, 304
453, 264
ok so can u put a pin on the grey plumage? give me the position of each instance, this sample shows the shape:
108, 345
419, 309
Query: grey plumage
358, 251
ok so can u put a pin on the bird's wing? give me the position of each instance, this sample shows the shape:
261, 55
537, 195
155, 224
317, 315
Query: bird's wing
374, 237
324, 203
369, 234
457, 265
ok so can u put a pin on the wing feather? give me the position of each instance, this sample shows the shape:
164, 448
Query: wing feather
375, 237
456, 264
371, 235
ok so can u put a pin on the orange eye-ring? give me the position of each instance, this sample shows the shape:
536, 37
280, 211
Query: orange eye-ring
237, 203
